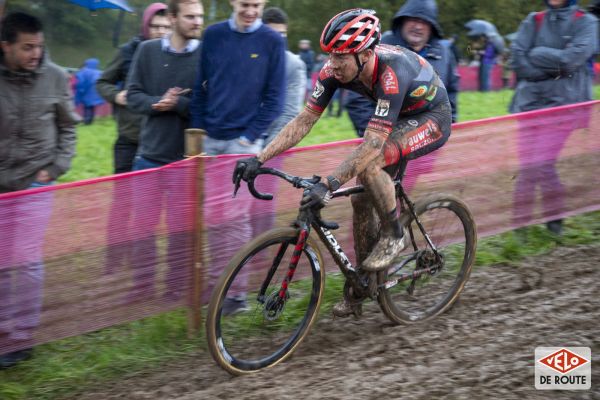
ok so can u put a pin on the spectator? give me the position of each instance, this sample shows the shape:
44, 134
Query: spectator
453, 40
236, 111
34, 151
85, 89
295, 73
308, 56
162, 71
416, 27
549, 56
155, 24
111, 86
487, 61
488, 45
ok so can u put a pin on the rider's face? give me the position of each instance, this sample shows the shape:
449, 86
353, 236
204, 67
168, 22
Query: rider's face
344, 66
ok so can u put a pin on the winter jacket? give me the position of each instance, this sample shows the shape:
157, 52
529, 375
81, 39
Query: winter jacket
112, 82
37, 124
85, 88
549, 57
114, 77
295, 77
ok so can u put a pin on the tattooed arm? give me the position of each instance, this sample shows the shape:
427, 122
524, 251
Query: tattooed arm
361, 157
290, 135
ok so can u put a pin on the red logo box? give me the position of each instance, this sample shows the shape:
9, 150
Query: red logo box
563, 361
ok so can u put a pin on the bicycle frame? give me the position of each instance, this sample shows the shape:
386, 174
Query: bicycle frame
310, 219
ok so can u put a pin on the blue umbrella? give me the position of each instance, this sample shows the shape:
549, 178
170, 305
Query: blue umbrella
94, 5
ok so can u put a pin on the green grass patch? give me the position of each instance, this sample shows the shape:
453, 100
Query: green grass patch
73, 365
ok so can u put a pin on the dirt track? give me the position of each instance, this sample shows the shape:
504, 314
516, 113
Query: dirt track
481, 349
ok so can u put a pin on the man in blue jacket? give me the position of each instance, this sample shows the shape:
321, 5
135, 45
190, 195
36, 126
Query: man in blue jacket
415, 26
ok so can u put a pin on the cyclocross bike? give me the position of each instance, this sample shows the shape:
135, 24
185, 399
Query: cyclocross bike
278, 278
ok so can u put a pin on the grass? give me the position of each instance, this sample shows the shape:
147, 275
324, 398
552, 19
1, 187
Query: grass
73, 365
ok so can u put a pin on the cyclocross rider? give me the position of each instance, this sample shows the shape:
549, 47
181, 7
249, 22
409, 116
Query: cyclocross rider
412, 118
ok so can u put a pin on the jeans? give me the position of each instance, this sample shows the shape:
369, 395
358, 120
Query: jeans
485, 71
23, 223
88, 114
124, 153
227, 219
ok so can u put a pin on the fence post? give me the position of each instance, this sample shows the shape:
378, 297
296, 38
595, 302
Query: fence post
194, 148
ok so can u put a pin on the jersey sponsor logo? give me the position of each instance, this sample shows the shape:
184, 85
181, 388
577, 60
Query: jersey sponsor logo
380, 126
419, 92
383, 108
253, 55
389, 81
420, 137
432, 93
413, 122
318, 90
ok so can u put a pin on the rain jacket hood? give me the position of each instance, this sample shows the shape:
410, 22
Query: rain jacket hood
149, 13
424, 9
91, 63
569, 3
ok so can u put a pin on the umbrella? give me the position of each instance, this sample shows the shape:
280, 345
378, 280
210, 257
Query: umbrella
479, 27
94, 5
497, 41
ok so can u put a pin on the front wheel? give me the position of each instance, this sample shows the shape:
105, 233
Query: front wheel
423, 284
253, 322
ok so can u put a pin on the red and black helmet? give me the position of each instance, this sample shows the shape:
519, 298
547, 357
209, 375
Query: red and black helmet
351, 31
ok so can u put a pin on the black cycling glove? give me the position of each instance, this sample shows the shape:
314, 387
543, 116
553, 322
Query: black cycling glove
317, 196
245, 169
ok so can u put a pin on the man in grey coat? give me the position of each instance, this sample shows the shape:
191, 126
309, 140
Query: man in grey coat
416, 27
550, 57
37, 143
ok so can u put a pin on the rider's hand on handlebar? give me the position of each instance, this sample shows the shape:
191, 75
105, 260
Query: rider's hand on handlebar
245, 169
317, 196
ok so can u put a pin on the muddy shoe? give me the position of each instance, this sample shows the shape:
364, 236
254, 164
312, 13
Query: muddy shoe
345, 308
384, 253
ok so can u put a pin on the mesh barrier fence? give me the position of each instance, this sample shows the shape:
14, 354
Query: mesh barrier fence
81, 256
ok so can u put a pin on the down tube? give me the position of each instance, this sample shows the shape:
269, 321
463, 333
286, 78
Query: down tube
335, 249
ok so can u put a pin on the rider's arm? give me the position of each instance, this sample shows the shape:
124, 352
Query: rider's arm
361, 157
290, 135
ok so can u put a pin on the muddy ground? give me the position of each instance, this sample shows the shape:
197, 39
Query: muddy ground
483, 348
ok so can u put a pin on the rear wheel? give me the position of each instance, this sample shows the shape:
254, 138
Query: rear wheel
251, 324
428, 284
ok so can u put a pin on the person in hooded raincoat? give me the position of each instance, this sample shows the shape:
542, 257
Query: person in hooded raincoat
415, 26
85, 89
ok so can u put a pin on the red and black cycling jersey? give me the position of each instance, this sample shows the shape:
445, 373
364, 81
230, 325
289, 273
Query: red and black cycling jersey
404, 84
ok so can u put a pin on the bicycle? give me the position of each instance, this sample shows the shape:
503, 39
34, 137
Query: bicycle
285, 296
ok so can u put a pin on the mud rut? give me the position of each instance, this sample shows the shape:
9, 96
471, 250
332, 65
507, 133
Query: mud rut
483, 348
